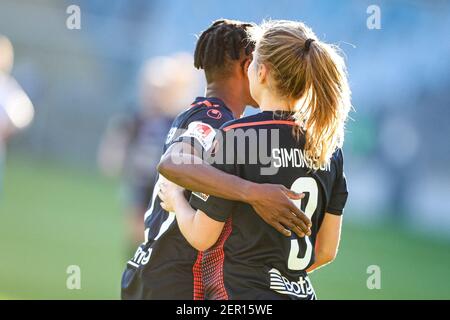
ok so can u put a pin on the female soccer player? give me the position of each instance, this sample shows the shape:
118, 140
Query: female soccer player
163, 267
301, 86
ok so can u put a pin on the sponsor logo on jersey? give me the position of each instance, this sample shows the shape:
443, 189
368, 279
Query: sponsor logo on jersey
202, 132
203, 129
301, 288
214, 113
202, 196
141, 257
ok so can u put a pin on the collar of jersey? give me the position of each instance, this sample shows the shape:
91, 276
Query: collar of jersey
213, 100
278, 115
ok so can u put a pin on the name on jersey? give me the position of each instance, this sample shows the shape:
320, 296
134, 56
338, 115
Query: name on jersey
301, 288
296, 158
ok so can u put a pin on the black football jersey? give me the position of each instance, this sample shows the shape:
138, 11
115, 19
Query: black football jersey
251, 260
163, 266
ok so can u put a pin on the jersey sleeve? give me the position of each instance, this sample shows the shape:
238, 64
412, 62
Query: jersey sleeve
200, 128
339, 192
217, 208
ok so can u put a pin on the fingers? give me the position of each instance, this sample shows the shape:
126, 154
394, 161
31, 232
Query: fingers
288, 223
162, 191
300, 215
300, 226
294, 224
162, 187
300, 232
163, 180
280, 228
161, 195
292, 194
168, 187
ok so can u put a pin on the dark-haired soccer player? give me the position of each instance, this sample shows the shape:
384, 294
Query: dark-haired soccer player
165, 264
301, 87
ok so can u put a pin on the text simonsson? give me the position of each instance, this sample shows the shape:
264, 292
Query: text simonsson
250, 147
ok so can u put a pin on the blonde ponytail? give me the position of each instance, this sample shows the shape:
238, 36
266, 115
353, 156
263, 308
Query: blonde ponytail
313, 75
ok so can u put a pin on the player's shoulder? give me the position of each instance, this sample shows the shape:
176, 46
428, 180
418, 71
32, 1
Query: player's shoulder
337, 160
212, 111
338, 155
201, 121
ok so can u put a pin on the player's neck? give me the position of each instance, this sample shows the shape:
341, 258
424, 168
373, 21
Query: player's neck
227, 92
270, 102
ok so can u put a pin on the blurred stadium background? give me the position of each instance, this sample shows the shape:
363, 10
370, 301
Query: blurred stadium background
57, 208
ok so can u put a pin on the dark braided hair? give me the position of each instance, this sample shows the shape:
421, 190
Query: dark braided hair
223, 41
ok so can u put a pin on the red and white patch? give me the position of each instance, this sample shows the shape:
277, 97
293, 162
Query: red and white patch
202, 132
214, 113
203, 129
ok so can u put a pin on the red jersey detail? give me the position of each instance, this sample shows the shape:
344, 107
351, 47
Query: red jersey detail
212, 267
199, 293
203, 129
214, 113
259, 123
206, 103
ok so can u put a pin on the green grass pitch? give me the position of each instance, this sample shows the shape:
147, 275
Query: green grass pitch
52, 217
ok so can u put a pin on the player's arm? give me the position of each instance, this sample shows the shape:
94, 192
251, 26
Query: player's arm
198, 229
182, 165
327, 242
329, 234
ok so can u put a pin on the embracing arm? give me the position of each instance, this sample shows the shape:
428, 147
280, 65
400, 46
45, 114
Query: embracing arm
197, 228
192, 173
327, 242
272, 203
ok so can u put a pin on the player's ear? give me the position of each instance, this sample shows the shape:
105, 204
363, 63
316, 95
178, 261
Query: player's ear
245, 64
262, 72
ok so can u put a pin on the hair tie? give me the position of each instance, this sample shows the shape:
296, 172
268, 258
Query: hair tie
308, 44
